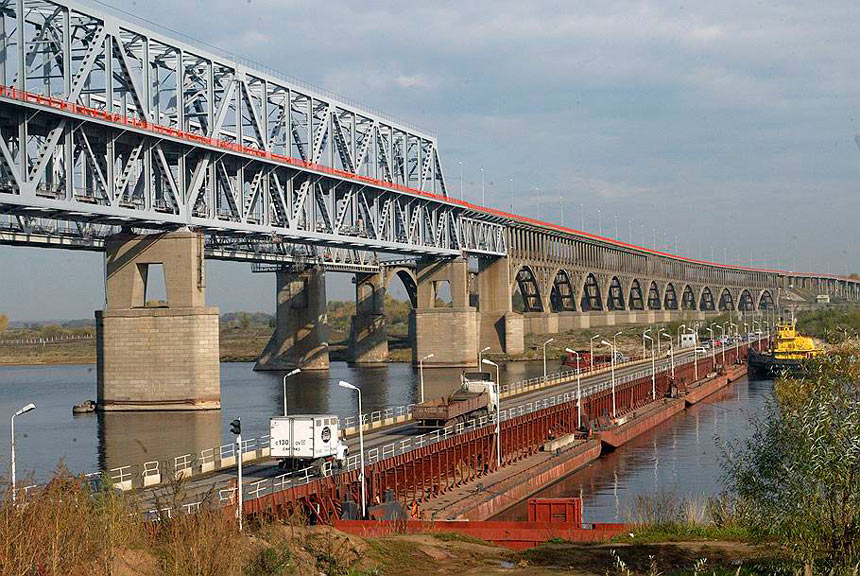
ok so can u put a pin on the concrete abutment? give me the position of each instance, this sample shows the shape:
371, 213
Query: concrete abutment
449, 333
157, 356
300, 339
368, 334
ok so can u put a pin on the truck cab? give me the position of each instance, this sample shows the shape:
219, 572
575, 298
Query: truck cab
477, 382
476, 397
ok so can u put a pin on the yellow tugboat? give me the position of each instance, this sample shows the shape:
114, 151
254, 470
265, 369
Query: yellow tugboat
788, 351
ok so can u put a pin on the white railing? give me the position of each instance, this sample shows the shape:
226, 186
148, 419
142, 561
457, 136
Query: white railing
45, 340
211, 459
268, 486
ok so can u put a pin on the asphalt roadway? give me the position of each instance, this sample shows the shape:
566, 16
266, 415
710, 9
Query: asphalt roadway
206, 486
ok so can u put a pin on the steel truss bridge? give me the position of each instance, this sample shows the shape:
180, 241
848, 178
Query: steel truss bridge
105, 125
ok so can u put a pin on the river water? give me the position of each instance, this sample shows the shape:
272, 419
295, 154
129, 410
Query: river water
90, 442
679, 459
681, 456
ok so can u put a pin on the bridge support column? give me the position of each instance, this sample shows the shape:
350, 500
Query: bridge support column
162, 357
368, 336
500, 327
449, 333
301, 326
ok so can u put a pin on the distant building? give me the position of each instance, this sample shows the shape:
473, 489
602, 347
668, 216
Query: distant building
822, 299
688, 340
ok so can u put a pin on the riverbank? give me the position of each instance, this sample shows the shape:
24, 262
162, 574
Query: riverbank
245, 341
51, 537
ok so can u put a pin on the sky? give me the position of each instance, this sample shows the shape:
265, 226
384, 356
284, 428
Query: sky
724, 130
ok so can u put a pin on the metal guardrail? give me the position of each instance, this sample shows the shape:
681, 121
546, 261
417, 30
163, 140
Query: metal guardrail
224, 456
267, 486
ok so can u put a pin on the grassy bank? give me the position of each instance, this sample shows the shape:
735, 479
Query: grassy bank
68, 530
833, 324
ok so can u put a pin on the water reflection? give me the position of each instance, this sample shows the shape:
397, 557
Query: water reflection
134, 438
681, 456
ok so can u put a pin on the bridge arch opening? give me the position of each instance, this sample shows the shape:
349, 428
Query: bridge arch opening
765, 301
727, 301
442, 294
408, 286
746, 302
562, 297
154, 285
688, 299
591, 299
615, 298
706, 301
529, 290
670, 300
654, 302
635, 300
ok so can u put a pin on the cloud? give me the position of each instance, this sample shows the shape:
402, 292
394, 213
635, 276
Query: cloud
677, 116
413, 81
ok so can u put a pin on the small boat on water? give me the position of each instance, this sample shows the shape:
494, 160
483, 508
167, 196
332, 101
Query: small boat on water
788, 351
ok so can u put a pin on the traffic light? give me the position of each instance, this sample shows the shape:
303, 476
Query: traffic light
236, 426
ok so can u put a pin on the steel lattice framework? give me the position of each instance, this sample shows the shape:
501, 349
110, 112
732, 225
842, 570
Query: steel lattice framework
105, 124
105, 121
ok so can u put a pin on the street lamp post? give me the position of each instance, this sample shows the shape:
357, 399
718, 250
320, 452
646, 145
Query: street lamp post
671, 352
293, 373
461, 180
591, 353
23, 410
735, 346
348, 386
653, 370
578, 390
614, 336
481, 355
644, 337
421, 373
695, 363
713, 350
498, 426
544, 356
605, 343
723, 344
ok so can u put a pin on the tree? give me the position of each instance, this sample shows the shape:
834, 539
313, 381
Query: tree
4, 323
52, 331
797, 478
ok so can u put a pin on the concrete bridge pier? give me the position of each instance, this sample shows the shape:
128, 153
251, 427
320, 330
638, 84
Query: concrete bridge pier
300, 339
500, 327
368, 334
450, 333
161, 356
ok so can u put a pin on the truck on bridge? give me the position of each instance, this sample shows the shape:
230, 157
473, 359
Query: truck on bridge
307, 441
477, 396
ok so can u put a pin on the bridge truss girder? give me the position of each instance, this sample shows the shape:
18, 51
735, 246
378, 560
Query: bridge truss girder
103, 121
273, 252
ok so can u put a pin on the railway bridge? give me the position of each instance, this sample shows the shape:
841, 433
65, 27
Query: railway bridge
159, 152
